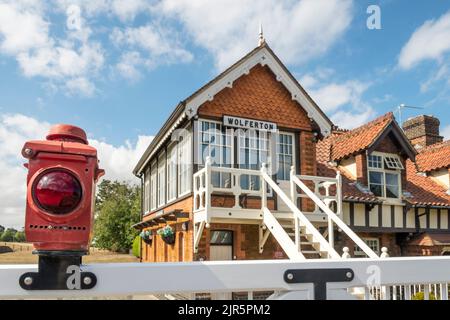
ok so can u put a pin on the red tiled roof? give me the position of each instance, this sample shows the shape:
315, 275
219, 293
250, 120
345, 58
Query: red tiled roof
434, 157
430, 239
346, 143
424, 191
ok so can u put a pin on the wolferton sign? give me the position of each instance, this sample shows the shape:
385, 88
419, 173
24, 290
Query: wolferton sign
243, 123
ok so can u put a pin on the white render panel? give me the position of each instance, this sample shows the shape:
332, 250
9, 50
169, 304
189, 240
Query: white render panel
422, 218
444, 219
433, 219
346, 212
386, 216
410, 219
360, 215
398, 217
373, 217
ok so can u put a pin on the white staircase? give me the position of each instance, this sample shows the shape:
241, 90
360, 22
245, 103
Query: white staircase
299, 238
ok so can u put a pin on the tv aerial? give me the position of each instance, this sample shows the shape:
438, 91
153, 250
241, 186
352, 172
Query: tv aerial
399, 109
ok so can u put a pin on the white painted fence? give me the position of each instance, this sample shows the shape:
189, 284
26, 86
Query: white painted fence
382, 278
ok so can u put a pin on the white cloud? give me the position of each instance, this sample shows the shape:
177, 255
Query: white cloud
128, 65
297, 30
353, 118
127, 10
80, 85
446, 132
430, 41
32, 33
342, 100
63, 61
443, 73
334, 95
16, 129
156, 45
119, 162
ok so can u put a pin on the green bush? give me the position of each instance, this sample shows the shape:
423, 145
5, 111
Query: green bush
8, 235
421, 296
137, 247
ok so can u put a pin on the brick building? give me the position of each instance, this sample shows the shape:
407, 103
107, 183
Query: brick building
395, 189
205, 198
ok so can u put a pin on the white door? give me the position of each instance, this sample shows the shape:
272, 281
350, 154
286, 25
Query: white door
221, 249
285, 160
220, 252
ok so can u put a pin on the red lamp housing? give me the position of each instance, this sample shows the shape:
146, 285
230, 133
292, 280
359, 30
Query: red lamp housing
62, 173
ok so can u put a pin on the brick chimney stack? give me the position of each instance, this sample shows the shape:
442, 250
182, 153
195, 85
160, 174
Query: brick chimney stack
422, 131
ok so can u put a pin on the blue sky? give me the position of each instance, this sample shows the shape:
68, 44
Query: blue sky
118, 68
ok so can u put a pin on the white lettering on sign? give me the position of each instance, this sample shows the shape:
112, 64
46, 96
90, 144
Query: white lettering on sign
249, 124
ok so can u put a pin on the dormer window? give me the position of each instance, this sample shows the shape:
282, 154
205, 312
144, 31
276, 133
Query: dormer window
385, 174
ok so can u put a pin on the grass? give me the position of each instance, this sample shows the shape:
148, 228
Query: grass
96, 256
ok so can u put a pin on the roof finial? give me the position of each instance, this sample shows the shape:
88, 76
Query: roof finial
261, 35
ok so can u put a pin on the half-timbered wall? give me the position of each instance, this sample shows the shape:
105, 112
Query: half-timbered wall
394, 218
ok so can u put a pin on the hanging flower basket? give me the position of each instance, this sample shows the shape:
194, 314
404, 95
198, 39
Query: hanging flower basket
146, 236
167, 234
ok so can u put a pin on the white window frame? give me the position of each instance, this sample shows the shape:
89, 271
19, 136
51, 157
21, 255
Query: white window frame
184, 158
292, 155
357, 252
147, 176
153, 186
161, 179
254, 137
218, 145
384, 171
393, 162
172, 172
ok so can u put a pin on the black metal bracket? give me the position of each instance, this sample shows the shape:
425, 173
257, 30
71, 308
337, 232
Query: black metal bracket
58, 272
320, 278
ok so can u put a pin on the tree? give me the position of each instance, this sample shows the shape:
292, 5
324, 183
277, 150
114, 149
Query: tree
118, 206
8, 235
2, 228
19, 236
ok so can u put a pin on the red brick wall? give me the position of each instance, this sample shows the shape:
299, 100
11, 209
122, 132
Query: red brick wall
387, 240
258, 95
361, 168
415, 250
245, 243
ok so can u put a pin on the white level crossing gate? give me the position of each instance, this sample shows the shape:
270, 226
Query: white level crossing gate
365, 278
326, 276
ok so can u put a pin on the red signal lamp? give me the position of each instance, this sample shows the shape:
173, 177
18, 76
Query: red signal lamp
62, 173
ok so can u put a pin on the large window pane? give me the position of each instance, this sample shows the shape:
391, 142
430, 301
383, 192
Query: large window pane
376, 183
392, 187
284, 155
172, 173
147, 190
253, 152
184, 163
162, 179
153, 187
217, 143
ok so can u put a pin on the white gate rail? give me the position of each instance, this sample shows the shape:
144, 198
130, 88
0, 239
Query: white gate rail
234, 276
